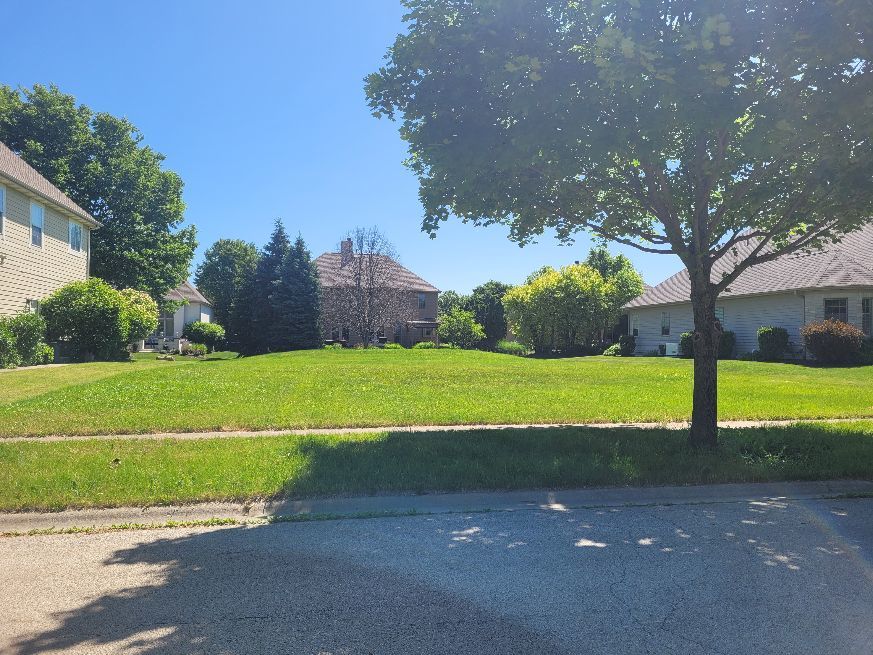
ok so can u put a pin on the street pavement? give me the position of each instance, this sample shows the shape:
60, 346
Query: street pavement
739, 577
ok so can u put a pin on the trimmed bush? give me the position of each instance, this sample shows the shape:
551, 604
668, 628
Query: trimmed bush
332, 346
45, 354
726, 345
29, 332
772, 343
511, 348
627, 344
460, 328
686, 345
833, 342
98, 321
866, 356
9, 357
209, 334
425, 345
613, 351
195, 349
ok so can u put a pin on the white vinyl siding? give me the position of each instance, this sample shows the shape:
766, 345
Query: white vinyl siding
37, 224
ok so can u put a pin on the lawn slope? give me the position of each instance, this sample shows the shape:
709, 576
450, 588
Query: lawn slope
383, 388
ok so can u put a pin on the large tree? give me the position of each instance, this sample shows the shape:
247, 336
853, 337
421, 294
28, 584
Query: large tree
297, 298
226, 267
486, 303
101, 162
725, 132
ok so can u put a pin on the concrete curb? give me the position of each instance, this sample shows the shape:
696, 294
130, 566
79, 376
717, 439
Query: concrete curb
369, 506
229, 434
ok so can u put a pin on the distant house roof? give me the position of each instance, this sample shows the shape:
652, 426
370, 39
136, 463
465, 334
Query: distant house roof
187, 292
332, 274
20, 172
848, 263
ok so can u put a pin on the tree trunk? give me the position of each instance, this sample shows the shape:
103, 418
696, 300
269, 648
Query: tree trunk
707, 334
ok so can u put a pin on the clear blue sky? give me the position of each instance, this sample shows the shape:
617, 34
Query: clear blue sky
262, 113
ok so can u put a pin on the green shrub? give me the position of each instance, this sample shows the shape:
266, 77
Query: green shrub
772, 343
195, 349
686, 345
141, 314
45, 354
460, 328
332, 346
9, 357
511, 348
866, 355
425, 345
613, 351
98, 321
833, 342
726, 345
627, 345
29, 332
393, 346
209, 334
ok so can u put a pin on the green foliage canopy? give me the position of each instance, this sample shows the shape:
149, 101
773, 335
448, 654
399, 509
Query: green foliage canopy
459, 328
100, 161
226, 267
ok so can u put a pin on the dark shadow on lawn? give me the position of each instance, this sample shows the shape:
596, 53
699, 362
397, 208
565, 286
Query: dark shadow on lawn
555, 458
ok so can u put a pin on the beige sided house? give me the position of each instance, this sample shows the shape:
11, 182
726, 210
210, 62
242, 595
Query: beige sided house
416, 318
789, 292
45, 238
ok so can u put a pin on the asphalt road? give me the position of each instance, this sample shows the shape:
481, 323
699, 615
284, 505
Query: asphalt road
740, 577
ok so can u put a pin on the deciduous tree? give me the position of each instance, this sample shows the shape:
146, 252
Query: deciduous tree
226, 267
727, 133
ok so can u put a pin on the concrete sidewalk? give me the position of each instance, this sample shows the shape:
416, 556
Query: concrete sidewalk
230, 434
504, 501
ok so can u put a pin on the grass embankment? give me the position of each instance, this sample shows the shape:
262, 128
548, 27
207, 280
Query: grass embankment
383, 388
101, 473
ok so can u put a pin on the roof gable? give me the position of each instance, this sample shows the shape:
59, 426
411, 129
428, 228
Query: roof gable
332, 274
848, 263
20, 172
186, 292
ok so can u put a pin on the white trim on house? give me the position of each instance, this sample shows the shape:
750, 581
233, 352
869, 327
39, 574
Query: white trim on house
2, 210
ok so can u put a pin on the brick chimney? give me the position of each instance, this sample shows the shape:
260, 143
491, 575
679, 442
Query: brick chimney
346, 252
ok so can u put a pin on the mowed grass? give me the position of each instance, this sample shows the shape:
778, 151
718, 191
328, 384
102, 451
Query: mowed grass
383, 388
41, 475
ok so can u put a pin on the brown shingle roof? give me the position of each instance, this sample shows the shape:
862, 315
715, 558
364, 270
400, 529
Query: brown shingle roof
186, 291
848, 263
331, 274
19, 171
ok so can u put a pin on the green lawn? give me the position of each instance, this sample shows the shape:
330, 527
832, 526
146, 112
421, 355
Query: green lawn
317, 389
94, 473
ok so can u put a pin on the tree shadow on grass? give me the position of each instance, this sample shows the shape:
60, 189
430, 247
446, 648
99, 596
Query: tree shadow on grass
555, 458
248, 590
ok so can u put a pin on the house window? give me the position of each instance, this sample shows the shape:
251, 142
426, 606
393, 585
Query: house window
2, 209
867, 316
836, 309
635, 326
37, 218
719, 315
166, 325
32, 306
428, 332
75, 236
665, 324
422, 301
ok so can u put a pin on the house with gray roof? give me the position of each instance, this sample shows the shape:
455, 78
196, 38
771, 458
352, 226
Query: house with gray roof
190, 306
791, 291
410, 315
45, 237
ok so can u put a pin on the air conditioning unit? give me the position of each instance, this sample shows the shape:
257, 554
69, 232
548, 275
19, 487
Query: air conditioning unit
671, 349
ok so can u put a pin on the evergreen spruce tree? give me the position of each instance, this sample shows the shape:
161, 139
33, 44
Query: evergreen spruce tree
297, 299
268, 331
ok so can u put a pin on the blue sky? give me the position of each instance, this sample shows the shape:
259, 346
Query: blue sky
262, 113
